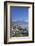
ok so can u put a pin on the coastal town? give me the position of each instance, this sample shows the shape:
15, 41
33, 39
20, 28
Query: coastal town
18, 30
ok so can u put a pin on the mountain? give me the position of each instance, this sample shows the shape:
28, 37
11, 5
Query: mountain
20, 23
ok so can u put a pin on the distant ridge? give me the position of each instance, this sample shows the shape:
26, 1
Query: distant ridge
21, 22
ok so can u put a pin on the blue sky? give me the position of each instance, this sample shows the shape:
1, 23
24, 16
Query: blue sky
19, 14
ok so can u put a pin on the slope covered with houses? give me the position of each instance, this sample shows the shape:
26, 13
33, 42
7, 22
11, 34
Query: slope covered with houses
18, 29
